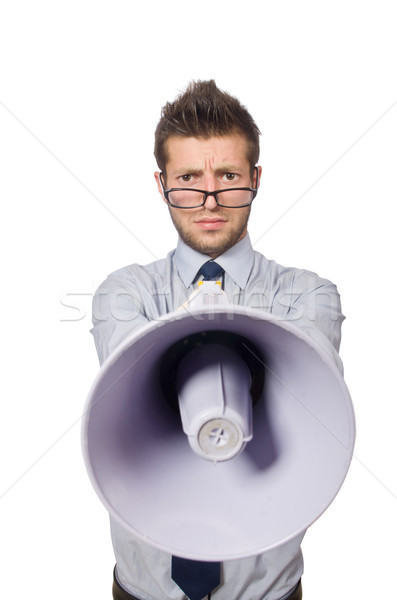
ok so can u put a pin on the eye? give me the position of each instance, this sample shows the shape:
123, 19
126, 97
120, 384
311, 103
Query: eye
186, 178
230, 177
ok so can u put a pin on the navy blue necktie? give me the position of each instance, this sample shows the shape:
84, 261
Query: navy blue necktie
196, 578
211, 271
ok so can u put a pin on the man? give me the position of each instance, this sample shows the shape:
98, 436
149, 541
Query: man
207, 149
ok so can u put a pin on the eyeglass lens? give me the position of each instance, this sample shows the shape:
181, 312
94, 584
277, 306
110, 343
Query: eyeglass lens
192, 198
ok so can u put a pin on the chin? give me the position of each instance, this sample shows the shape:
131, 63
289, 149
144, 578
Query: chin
212, 245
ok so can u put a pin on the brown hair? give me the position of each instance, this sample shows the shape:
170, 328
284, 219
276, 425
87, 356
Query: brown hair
202, 111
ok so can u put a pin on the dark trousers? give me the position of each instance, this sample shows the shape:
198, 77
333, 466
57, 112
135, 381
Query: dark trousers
120, 594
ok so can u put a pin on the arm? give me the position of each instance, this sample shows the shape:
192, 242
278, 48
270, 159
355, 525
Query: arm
117, 310
316, 308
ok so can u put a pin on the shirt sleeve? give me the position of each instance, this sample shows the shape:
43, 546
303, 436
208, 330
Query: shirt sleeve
316, 308
117, 311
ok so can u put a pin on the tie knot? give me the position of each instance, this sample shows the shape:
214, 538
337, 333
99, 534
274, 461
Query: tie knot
211, 270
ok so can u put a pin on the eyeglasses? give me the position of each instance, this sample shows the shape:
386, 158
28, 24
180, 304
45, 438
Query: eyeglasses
191, 198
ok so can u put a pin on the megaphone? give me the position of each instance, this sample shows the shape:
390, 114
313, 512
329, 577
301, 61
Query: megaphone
217, 433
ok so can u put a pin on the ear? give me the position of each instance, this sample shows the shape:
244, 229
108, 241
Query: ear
160, 189
257, 183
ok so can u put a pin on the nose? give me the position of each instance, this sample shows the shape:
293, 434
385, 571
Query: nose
210, 203
210, 184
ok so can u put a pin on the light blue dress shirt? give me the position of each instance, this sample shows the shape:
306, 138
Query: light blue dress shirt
134, 295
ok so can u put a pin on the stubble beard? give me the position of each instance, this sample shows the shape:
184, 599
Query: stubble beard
212, 243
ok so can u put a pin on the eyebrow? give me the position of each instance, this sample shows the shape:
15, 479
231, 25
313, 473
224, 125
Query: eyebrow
221, 168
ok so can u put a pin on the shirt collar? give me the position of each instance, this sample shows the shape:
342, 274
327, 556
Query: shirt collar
237, 261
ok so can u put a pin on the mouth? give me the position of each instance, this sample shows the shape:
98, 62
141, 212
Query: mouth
211, 224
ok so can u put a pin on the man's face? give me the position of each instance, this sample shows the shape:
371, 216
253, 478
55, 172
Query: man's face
209, 164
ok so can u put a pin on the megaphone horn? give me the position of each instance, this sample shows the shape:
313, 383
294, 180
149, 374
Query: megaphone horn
200, 460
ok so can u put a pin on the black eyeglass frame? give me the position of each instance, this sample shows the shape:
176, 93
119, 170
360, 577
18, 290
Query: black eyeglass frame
207, 193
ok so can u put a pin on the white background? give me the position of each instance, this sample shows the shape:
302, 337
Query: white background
81, 88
